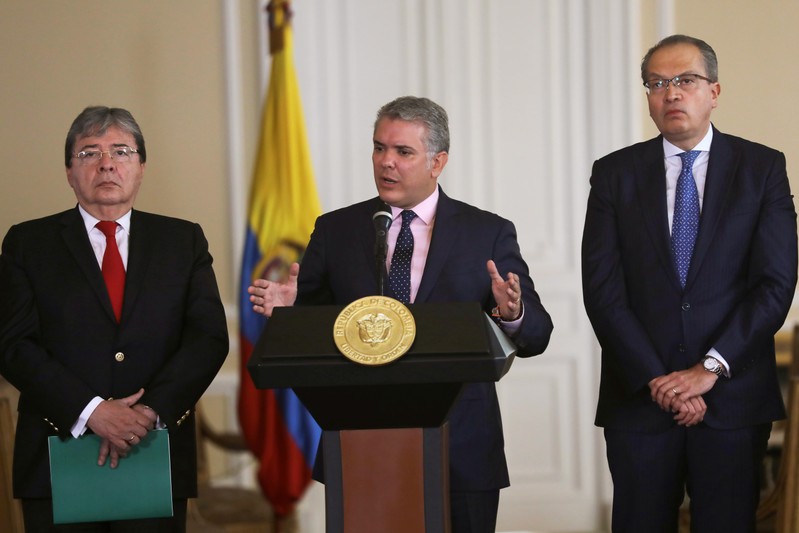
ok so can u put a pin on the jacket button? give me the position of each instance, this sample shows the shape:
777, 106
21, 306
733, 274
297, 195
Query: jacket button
119, 356
686, 306
681, 347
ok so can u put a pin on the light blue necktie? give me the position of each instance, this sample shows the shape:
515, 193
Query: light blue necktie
399, 278
685, 224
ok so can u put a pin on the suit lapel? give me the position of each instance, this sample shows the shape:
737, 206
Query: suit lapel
440, 245
140, 247
77, 242
650, 174
721, 171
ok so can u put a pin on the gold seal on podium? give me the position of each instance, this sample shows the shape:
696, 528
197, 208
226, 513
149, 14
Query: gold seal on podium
374, 330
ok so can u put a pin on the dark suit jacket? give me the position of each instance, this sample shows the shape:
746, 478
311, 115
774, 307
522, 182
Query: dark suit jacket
339, 267
59, 338
738, 291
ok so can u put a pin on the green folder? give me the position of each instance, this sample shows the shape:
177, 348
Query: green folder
139, 487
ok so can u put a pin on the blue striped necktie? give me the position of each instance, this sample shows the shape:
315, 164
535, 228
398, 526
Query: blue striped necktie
685, 223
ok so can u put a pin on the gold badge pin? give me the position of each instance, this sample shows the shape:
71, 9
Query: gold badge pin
374, 330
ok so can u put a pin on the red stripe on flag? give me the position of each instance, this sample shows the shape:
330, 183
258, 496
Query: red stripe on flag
283, 473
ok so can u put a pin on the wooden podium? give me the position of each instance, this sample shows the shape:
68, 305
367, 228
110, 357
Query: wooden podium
385, 439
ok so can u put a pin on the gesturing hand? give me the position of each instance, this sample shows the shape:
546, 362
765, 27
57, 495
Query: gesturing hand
266, 295
507, 292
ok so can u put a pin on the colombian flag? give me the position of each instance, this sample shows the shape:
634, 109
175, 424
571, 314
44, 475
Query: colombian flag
283, 207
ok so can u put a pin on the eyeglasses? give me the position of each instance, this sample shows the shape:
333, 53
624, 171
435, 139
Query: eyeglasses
120, 154
686, 82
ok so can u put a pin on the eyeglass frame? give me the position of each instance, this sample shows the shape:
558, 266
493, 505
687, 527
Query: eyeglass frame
676, 81
84, 161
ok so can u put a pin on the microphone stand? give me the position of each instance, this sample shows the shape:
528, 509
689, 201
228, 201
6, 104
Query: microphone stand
382, 221
381, 274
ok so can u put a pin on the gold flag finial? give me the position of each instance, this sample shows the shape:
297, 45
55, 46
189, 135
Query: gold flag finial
279, 17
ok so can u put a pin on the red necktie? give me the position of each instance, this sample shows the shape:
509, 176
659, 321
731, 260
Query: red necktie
113, 269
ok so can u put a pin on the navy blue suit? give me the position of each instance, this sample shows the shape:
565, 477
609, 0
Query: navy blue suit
339, 267
60, 344
738, 291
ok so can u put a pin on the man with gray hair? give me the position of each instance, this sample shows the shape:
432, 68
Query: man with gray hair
110, 323
457, 253
689, 262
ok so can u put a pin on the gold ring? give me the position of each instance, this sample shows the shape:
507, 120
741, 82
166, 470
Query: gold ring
675, 391
130, 440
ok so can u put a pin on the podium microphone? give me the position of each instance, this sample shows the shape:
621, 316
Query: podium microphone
382, 221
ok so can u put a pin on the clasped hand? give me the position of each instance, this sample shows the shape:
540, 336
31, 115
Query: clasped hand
681, 393
122, 424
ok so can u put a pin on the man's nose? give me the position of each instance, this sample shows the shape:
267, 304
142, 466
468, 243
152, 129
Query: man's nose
672, 92
106, 161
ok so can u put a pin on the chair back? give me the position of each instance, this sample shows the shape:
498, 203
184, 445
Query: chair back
788, 477
10, 509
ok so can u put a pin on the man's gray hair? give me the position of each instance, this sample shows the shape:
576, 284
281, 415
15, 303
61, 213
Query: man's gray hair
709, 56
429, 113
95, 121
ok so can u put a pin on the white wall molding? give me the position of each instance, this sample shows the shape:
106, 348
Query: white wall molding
235, 108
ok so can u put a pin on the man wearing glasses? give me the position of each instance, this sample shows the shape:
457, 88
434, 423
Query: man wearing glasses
110, 322
689, 260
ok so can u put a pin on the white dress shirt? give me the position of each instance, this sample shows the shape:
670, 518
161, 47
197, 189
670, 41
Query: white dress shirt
673, 168
97, 240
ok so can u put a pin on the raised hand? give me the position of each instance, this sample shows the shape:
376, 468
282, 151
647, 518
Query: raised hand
266, 295
507, 292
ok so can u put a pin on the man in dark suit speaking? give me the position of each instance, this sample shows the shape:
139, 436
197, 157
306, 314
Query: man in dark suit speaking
457, 253
689, 268
110, 321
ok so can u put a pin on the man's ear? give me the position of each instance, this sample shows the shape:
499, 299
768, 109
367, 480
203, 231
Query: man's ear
716, 90
438, 163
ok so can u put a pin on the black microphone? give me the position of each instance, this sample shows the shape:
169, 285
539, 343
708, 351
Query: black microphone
382, 221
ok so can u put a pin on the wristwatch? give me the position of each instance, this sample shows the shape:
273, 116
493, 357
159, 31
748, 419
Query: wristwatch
711, 364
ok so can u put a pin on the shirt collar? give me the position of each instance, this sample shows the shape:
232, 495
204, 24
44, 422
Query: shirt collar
703, 145
425, 210
90, 222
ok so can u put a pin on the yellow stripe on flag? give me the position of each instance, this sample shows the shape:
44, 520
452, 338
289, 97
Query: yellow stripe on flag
283, 200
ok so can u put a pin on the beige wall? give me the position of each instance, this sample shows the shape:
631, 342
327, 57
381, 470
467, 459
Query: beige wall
161, 60
756, 44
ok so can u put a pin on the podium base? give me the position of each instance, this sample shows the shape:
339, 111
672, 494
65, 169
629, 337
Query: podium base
387, 480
